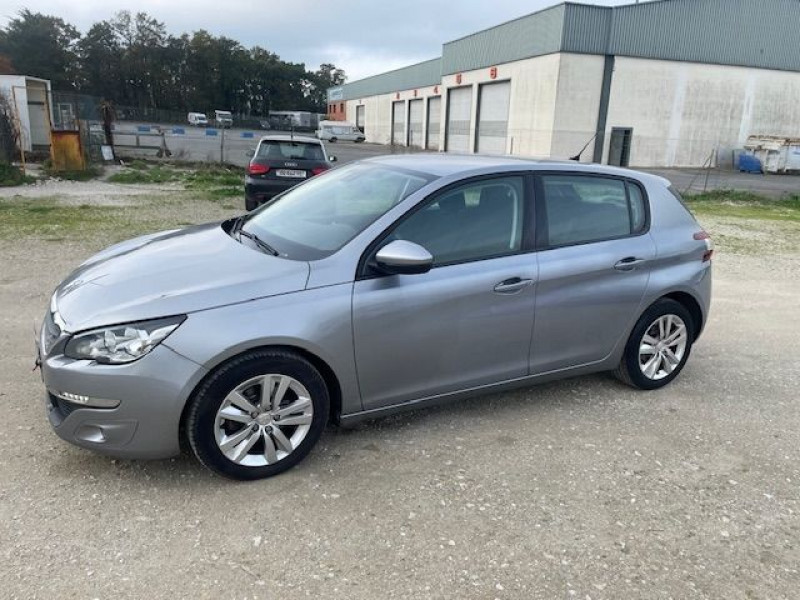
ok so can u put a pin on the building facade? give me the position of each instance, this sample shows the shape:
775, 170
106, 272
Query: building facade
669, 83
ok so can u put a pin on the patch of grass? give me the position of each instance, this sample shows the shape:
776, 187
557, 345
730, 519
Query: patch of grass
90, 172
214, 181
147, 175
745, 205
11, 176
96, 226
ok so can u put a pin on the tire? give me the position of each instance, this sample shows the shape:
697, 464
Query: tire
230, 441
250, 204
661, 371
333, 140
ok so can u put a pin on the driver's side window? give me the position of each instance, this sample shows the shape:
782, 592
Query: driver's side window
478, 220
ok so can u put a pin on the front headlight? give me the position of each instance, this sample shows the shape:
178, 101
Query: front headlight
120, 344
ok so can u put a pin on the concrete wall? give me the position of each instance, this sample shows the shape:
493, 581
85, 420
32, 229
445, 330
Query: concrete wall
378, 112
532, 106
682, 113
580, 81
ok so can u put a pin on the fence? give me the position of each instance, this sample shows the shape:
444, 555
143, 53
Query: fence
68, 106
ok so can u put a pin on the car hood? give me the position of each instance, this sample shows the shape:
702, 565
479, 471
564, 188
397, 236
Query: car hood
169, 273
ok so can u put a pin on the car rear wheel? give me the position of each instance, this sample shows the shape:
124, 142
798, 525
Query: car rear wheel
250, 203
258, 415
658, 347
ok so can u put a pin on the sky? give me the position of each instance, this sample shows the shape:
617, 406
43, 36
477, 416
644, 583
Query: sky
364, 37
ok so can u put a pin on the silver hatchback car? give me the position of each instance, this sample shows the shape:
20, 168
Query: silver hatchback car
385, 284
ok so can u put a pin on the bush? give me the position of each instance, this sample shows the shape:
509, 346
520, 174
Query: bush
11, 175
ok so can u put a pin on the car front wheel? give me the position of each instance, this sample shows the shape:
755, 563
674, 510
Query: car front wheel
658, 347
258, 415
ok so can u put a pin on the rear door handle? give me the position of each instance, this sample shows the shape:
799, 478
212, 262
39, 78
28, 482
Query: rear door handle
512, 286
629, 264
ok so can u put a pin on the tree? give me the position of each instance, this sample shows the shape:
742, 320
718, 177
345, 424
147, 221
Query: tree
132, 61
42, 46
325, 77
100, 56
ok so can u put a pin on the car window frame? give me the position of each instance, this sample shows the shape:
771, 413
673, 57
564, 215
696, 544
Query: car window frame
366, 270
540, 207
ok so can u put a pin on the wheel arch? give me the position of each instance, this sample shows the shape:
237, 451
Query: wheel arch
328, 375
690, 303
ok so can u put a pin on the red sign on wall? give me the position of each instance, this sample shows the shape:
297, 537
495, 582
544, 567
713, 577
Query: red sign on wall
415, 93
397, 96
493, 73
436, 89
458, 77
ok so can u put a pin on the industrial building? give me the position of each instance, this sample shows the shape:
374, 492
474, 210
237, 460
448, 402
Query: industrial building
669, 83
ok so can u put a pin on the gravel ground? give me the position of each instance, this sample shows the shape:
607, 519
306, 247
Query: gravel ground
578, 489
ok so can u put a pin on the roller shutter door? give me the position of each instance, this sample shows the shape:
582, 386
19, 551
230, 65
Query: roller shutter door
360, 117
459, 116
399, 123
493, 117
434, 122
415, 114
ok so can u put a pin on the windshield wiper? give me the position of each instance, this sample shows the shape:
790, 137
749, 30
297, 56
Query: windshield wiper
258, 242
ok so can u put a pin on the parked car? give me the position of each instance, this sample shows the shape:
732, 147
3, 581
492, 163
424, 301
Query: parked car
386, 284
334, 131
280, 162
223, 118
197, 119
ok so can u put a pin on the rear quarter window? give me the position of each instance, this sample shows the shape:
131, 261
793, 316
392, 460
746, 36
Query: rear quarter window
587, 208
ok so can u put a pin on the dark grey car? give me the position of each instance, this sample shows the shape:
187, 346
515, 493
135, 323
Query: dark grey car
386, 284
280, 162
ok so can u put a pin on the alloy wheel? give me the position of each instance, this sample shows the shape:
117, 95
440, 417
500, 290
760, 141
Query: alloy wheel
663, 347
263, 420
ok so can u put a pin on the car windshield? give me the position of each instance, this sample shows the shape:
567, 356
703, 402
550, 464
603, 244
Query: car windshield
316, 219
290, 150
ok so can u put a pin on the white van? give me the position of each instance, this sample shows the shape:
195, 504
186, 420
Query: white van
334, 131
224, 118
197, 119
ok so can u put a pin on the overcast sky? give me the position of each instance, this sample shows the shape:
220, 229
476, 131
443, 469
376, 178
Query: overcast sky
364, 37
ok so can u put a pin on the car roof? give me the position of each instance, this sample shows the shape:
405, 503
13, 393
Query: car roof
442, 165
289, 138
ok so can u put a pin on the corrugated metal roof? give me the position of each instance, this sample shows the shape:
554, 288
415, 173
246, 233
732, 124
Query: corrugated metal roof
407, 78
587, 28
748, 33
532, 35
763, 34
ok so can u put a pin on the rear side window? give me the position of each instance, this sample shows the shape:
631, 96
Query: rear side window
583, 209
290, 151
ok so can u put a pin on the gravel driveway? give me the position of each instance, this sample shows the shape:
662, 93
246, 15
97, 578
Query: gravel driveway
579, 489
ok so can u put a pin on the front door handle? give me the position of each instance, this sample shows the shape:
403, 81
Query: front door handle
512, 286
629, 264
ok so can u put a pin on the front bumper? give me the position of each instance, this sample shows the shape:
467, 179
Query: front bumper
151, 393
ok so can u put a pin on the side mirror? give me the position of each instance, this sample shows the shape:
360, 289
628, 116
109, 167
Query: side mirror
403, 258
332, 158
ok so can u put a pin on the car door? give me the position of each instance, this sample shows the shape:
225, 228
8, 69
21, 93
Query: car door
468, 321
594, 266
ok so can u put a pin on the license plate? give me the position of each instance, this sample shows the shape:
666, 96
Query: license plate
290, 173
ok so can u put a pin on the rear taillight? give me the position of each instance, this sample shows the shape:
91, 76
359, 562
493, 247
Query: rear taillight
703, 236
318, 170
256, 169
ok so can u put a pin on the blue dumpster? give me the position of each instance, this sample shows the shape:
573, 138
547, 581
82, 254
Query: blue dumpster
749, 163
